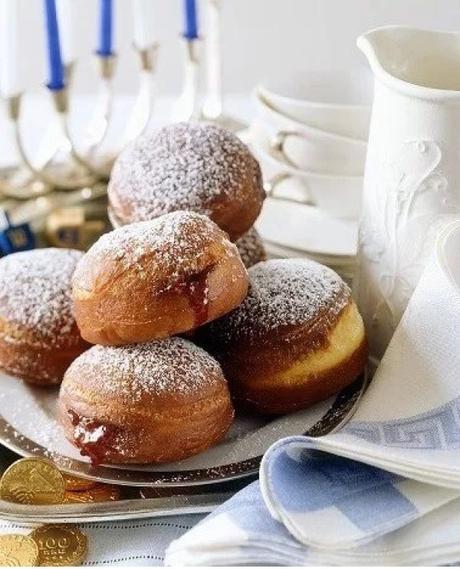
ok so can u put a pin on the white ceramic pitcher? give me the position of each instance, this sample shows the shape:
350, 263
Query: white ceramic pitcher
412, 175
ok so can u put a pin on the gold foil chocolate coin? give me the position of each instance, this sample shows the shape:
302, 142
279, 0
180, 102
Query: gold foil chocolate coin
32, 481
18, 551
74, 484
100, 493
60, 545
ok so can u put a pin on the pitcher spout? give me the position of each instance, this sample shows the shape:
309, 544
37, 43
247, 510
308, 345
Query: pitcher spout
421, 63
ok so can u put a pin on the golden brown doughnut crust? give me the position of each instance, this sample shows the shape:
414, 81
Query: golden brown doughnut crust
39, 337
188, 166
250, 245
154, 279
156, 402
296, 339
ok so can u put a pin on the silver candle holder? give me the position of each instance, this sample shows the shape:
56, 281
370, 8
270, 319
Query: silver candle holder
192, 103
18, 181
187, 107
142, 110
67, 166
99, 124
212, 109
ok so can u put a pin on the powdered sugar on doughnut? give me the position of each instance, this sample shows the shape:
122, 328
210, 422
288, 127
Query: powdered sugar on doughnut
182, 166
172, 367
251, 248
35, 291
284, 292
180, 242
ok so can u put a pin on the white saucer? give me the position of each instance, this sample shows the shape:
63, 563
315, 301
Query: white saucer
307, 229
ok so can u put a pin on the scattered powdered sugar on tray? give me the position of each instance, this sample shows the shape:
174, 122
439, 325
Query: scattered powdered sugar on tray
173, 366
35, 291
181, 166
179, 241
284, 292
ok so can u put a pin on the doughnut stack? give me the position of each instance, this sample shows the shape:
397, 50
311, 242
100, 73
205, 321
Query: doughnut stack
195, 167
188, 318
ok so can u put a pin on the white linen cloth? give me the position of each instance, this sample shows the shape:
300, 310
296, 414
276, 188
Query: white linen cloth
383, 490
125, 543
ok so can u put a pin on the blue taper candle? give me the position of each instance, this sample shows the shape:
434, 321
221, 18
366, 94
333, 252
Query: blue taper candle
191, 21
56, 69
105, 48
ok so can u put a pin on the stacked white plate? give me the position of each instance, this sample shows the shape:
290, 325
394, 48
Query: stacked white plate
310, 137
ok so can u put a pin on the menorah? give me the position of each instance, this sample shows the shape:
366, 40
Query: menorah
66, 164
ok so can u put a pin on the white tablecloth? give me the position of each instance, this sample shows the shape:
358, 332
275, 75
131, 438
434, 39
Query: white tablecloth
131, 542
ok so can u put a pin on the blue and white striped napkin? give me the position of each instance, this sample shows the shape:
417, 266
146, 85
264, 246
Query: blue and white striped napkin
384, 490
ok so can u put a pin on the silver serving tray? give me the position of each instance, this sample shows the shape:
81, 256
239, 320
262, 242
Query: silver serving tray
13, 437
112, 511
152, 494
135, 503
199, 500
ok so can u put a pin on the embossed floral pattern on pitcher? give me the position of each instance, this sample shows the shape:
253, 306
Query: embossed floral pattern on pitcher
412, 179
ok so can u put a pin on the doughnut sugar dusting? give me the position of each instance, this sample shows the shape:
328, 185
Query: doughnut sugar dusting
154, 402
188, 166
161, 367
184, 166
296, 339
179, 240
35, 292
283, 293
158, 278
251, 248
39, 336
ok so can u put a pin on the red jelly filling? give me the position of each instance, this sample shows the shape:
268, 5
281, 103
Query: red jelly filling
93, 438
196, 289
